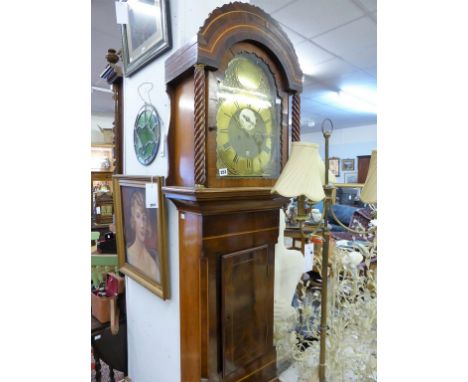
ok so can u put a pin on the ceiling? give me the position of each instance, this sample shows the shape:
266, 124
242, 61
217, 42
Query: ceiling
335, 41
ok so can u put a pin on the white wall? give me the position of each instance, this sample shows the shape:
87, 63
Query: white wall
153, 324
346, 143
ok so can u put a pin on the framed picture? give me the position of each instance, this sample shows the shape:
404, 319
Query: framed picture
347, 165
350, 177
334, 165
141, 231
147, 34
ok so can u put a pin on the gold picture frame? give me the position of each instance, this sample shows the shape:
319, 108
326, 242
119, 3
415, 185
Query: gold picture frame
141, 231
347, 164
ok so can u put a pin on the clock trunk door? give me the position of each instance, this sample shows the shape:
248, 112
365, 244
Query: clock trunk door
246, 309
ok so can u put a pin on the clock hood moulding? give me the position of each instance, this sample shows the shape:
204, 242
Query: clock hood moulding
230, 24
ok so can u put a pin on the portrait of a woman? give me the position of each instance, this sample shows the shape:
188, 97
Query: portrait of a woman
141, 243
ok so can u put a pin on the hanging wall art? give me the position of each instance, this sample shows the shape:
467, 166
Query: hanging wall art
147, 131
146, 35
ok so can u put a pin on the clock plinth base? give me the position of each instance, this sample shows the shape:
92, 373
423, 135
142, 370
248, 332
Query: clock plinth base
226, 264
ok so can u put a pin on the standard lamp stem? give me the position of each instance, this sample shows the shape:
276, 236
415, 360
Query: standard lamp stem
324, 298
326, 245
327, 165
301, 216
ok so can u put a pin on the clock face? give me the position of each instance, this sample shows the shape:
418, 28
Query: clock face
247, 119
147, 134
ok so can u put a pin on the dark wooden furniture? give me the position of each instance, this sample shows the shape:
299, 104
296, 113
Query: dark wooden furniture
228, 226
363, 167
112, 349
102, 207
114, 77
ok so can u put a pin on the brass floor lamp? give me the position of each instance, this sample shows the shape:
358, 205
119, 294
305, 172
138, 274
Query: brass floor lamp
306, 175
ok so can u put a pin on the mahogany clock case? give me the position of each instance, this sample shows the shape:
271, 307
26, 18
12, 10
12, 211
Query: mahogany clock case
228, 226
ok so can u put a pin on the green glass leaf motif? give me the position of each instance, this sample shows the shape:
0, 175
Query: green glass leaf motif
147, 134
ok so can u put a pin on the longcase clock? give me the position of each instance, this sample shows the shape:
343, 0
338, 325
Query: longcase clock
232, 90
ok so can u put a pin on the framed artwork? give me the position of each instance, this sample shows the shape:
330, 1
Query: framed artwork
350, 177
334, 165
147, 34
347, 164
141, 231
147, 134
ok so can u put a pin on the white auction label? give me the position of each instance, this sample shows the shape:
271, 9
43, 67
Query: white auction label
223, 171
151, 195
308, 257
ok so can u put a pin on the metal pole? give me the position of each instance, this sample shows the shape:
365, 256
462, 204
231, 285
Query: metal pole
325, 248
323, 308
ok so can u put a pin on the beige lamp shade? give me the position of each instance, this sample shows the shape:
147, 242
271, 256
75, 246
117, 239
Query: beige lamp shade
369, 191
304, 173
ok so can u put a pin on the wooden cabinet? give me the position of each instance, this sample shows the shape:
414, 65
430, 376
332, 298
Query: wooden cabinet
363, 167
102, 201
106, 159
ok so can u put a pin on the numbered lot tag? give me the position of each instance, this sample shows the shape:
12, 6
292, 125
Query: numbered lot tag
151, 195
223, 171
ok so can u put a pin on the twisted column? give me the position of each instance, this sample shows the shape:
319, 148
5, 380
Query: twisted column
199, 127
296, 118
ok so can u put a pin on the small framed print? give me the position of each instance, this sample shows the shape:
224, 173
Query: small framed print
350, 177
334, 165
141, 231
147, 34
347, 165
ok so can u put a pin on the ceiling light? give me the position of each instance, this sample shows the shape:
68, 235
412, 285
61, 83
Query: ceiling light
349, 101
365, 93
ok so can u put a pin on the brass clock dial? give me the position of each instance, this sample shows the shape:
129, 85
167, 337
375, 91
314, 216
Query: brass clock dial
247, 136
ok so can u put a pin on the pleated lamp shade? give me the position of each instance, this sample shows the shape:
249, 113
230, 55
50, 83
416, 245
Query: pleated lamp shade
304, 173
369, 191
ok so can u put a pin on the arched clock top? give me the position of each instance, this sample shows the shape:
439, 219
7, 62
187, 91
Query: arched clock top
237, 22
228, 25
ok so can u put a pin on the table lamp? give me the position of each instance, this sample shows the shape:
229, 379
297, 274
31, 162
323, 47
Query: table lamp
369, 191
303, 176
